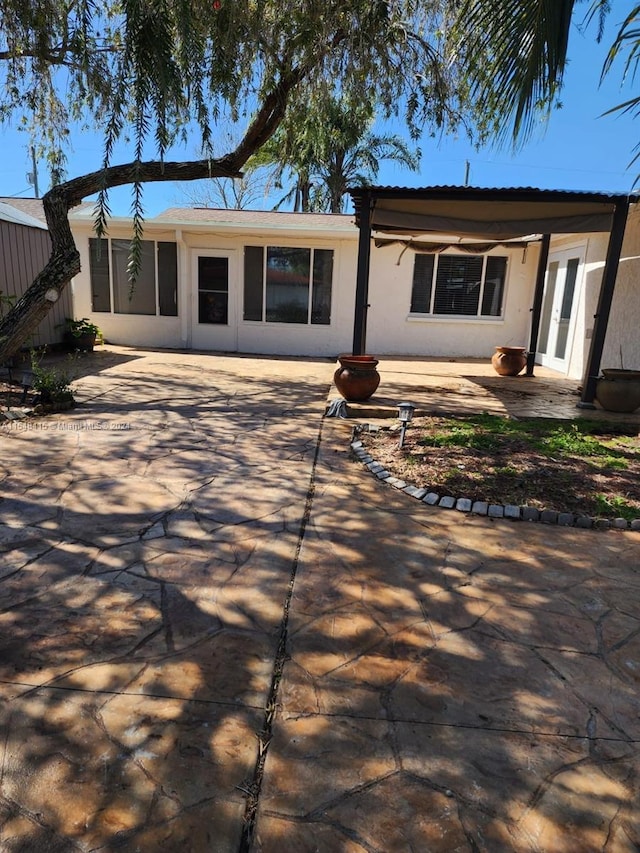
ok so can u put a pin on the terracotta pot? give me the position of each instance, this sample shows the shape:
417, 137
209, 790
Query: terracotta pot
618, 396
356, 378
509, 361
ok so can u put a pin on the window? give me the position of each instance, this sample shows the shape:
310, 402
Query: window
458, 285
213, 290
155, 291
288, 285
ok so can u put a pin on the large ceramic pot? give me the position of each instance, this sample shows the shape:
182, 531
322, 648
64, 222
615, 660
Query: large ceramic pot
357, 378
618, 395
509, 361
620, 374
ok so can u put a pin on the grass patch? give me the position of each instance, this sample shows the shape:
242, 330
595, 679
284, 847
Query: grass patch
581, 466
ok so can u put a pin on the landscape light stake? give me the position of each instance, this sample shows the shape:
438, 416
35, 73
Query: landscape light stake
405, 416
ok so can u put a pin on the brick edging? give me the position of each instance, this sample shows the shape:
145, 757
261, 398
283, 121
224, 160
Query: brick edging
508, 511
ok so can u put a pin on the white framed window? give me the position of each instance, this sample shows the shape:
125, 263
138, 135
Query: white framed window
458, 285
285, 284
155, 291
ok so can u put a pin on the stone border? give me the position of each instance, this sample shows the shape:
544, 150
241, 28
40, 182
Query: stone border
466, 505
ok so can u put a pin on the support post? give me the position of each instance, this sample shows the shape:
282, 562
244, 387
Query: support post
536, 308
362, 278
605, 298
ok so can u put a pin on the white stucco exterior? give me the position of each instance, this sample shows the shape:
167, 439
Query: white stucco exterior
391, 327
228, 239
623, 333
393, 330
622, 342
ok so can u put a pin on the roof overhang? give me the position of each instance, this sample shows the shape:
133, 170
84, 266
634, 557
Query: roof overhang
487, 214
8, 213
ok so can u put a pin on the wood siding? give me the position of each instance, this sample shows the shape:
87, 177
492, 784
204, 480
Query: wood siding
24, 251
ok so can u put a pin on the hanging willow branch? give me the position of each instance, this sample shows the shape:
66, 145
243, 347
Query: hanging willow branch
64, 262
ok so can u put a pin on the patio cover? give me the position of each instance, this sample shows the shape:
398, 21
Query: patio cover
494, 215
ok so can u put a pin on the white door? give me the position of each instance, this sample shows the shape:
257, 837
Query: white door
215, 325
557, 322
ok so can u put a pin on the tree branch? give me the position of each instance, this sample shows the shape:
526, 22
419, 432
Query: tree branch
64, 261
150, 171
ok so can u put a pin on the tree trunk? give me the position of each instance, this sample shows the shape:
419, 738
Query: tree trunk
21, 322
23, 319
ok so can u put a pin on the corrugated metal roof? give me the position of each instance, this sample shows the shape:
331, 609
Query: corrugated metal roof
505, 192
497, 214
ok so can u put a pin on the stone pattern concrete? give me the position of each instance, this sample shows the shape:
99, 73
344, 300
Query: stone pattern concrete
447, 685
456, 683
446, 386
142, 583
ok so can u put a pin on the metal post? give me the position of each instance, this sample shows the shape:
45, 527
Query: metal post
362, 278
601, 317
403, 432
536, 308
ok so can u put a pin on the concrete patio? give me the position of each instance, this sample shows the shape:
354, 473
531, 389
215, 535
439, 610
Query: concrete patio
218, 632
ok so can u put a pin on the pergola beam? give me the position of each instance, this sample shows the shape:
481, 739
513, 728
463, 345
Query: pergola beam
362, 277
501, 214
536, 310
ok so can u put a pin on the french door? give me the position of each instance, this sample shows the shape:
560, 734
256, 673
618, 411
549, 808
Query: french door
563, 284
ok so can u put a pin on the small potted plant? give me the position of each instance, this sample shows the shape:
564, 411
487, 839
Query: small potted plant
81, 334
53, 385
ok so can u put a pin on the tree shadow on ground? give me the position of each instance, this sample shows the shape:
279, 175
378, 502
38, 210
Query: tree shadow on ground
453, 683
143, 579
445, 685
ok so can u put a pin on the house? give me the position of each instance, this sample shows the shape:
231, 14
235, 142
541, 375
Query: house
291, 284
232, 280
24, 251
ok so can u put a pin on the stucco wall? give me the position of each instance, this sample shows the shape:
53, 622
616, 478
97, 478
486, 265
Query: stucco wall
251, 337
623, 332
126, 329
391, 329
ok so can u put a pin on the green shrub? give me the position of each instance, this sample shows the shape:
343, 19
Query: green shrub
51, 382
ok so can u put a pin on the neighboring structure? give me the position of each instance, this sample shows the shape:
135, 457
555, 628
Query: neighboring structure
24, 251
285, 283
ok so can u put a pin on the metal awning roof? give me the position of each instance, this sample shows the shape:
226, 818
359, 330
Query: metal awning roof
488, 214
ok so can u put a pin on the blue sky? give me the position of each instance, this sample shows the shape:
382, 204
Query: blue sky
579, 149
